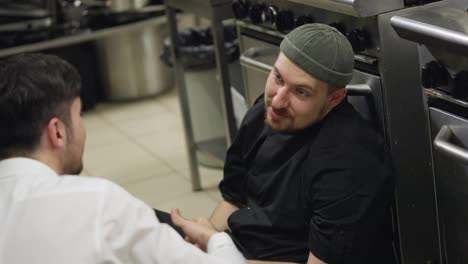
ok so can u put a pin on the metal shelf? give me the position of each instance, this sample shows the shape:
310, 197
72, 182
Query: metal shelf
86, 35
216, 11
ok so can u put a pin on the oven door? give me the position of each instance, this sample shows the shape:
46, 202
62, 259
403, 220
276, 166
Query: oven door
450, 153
256, 61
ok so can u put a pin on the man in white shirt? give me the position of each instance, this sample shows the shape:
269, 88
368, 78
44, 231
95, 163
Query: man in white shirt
50, 215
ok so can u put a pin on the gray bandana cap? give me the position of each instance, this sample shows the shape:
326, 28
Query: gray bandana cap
322, 51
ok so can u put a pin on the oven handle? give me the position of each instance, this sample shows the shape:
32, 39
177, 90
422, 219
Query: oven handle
425, 33
248, 58
441, 143
359, 89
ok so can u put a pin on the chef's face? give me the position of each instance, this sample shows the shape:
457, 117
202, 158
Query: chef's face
294, 99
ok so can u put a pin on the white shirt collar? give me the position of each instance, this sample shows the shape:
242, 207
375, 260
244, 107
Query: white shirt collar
24, 166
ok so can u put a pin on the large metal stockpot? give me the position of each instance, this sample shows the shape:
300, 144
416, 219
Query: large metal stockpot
129, 62
118, 6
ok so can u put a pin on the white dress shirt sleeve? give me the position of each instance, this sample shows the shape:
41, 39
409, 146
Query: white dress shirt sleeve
129, 232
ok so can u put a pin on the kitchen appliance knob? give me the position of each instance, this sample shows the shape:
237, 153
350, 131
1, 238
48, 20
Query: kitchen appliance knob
269, 15
359, 39
459, 85
256, 13
434, 75
339, 26
285, 21
302, 20
240, 8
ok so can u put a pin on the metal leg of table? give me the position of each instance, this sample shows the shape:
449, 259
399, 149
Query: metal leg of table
222, 65
180, 81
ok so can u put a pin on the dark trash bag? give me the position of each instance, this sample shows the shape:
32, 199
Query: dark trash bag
197, 51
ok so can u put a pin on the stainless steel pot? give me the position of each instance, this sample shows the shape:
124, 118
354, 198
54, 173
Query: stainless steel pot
118, 6
129, 62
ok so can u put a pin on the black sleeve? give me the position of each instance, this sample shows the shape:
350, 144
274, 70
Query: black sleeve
233, 187
350, 204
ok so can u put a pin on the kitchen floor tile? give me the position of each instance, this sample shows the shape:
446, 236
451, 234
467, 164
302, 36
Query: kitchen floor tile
128, 111
171, 102
191, 205
157, 190
168, 146
214, 193
151, 123
123, 163
104, 135
209, 177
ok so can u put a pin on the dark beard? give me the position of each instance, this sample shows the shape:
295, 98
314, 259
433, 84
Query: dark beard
322, 114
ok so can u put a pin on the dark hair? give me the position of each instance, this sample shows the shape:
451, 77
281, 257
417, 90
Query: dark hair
34, 88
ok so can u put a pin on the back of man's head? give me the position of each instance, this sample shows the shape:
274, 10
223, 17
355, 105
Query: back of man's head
34, 88
322, 51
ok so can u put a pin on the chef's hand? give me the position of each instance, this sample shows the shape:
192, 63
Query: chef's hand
198, 230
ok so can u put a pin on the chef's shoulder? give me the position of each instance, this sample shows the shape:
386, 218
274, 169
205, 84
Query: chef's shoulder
255, 116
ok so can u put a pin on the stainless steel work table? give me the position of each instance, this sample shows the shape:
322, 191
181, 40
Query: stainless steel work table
216, 11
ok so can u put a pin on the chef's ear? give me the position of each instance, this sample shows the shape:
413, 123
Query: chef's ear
56, 133
336, 97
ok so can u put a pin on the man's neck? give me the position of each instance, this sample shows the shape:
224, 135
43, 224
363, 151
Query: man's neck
47, 159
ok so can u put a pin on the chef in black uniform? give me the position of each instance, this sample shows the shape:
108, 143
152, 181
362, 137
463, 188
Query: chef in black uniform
307, 179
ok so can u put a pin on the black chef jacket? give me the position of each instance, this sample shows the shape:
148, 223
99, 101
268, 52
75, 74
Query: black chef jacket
325, 189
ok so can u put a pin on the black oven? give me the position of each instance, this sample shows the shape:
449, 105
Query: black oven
441, 32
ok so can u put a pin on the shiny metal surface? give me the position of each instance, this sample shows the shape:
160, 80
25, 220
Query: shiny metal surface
26, 25
257, 59
438, 26
408, 135
129, 63
359, 89
216, 11
451, 170
442, 143
125, 5
444, 96
183, 99
365, 94
347, 22
359, 8
79, 37
253, 58
257, 64
442, 29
